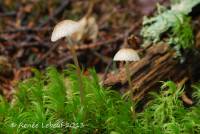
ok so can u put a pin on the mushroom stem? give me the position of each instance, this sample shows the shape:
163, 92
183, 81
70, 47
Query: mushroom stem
78, 70
130, 87
128, 77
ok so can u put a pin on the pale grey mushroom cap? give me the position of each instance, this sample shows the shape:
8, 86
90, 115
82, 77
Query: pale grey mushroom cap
64, 28
126, 54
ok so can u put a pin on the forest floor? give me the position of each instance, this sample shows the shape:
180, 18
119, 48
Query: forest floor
26, 27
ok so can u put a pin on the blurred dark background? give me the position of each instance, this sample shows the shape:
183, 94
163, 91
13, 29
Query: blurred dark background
26, 27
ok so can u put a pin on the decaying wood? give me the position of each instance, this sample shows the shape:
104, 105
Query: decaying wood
158, 64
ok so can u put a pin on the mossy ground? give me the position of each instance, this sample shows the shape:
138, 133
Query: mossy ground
50, 103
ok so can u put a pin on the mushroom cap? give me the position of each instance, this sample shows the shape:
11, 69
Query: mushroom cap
65, 28
126, 54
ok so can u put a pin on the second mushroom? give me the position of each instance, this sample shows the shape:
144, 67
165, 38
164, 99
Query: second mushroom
127, 55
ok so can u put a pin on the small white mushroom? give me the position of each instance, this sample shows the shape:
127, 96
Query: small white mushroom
65, 28
76, 30
126, 54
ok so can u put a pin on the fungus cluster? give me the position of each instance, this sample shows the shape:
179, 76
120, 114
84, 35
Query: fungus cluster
87, 27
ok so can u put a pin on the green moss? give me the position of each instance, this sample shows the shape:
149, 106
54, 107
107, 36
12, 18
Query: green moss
50, 103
